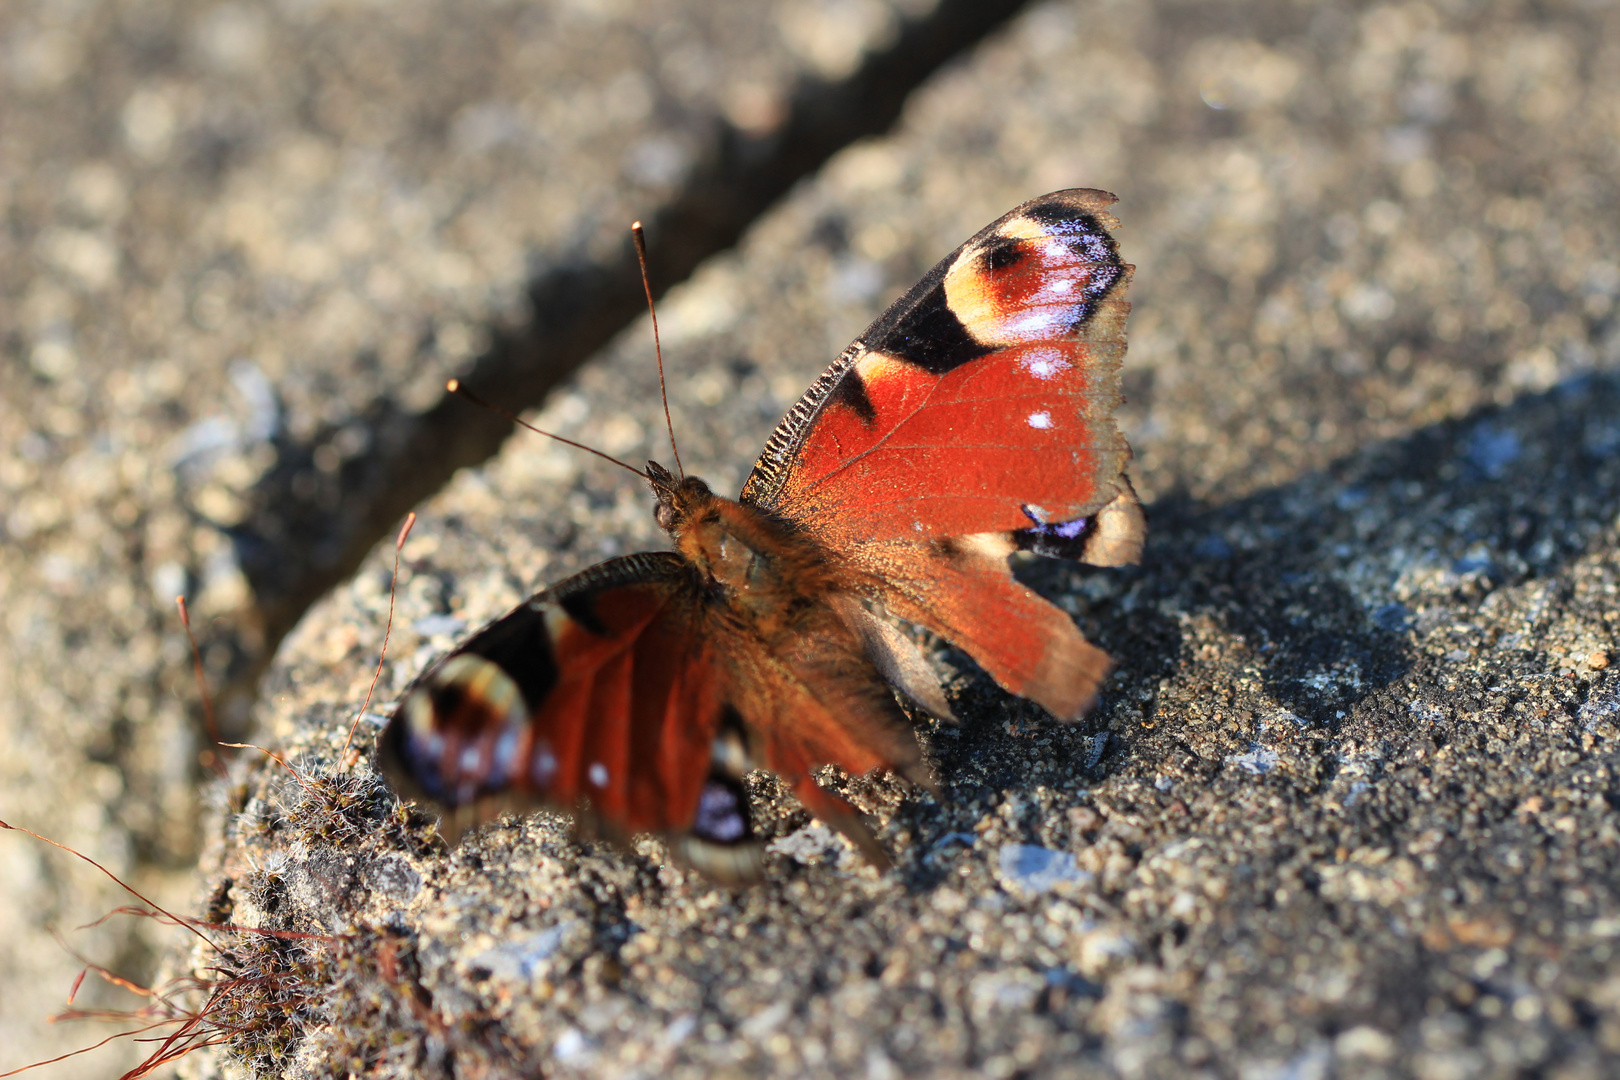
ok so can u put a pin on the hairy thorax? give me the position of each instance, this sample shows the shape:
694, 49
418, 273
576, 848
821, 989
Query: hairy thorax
773, 576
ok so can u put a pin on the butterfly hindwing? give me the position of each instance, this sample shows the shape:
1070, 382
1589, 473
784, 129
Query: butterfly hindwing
1113, 536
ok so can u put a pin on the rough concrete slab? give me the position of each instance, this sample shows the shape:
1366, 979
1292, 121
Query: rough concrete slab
243, 246
1348, 806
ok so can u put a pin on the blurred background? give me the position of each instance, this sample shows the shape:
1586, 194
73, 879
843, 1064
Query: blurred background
244, 244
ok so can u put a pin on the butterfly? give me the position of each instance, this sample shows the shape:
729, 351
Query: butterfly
973, 419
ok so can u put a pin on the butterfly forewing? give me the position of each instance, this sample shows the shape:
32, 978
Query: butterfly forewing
981, 401
600, 695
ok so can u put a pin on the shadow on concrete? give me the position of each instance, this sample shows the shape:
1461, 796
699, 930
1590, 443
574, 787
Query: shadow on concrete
1320, 591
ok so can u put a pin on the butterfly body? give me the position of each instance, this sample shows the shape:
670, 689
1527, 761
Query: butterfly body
754, 565
972, 420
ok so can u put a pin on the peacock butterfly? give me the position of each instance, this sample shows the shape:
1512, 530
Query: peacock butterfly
973, 419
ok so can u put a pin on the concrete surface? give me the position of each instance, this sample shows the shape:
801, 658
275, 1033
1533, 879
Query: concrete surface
1348, 806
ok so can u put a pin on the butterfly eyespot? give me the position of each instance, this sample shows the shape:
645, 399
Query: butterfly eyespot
599, 774
1093, 247
728, 754
720, 815
1005, 253
1040, 420
418, 712
1066, 530
420, 747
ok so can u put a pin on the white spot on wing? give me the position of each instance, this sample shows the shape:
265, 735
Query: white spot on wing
598, 774
544, 767
1040, 420
1043, 363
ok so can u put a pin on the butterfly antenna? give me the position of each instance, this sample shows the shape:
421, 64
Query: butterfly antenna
658, 350
388, 629
454, 386
209, 758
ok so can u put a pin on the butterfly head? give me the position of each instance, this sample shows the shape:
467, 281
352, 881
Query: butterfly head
679, 497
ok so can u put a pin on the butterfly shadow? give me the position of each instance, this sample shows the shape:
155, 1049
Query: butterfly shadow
1255, 628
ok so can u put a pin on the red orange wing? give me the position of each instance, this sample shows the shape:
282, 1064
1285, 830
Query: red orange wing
981, 401
973, 418
601, 694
